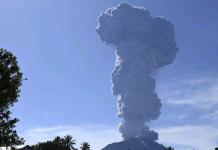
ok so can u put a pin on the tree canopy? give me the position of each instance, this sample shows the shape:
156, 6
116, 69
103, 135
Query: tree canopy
10, 82
170, 148
10, 79
58, 143
85, 146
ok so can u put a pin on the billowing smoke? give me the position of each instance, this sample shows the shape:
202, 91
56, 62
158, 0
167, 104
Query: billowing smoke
143, 45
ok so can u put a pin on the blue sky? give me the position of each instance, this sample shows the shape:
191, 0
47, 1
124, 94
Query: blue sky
69, 68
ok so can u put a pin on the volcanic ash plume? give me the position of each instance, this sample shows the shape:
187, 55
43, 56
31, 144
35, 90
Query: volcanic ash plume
143, 44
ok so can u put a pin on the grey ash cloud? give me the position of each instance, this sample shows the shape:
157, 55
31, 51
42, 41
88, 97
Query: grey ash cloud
143, 45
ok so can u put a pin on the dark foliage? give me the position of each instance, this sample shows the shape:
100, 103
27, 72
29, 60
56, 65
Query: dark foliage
170, 148
85, 146
10, 82
58, 143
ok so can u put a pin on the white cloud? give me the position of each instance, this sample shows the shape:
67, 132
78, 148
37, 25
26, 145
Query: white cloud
191, 137
97, 135
199, 92
196, 98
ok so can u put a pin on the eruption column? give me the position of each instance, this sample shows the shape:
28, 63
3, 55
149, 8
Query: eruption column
143, 44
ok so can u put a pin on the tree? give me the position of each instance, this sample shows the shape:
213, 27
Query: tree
10, 82
170, 148
85, 146
216, 148
66, 143
69, 142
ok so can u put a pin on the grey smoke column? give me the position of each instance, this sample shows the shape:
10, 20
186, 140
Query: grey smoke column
143, 44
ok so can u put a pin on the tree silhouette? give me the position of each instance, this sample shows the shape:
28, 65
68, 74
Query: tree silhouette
85, 146
216, 148
69, 142
10, 82
66, 143
170, 148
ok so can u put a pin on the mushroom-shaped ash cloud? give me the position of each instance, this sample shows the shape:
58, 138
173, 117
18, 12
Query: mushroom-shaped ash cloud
143, 44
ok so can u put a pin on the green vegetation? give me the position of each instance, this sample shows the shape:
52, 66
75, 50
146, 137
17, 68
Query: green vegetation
10, 82
85, 146
66, 143
170, 148
59, 143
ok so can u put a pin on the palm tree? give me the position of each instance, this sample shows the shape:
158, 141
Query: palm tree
69, 142
85, 146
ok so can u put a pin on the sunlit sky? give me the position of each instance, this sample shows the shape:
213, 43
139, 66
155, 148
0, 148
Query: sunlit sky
69, 70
